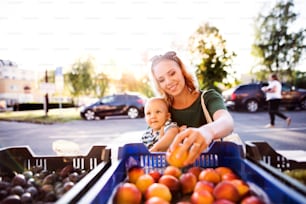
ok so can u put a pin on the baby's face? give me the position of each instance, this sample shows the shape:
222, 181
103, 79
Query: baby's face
156, 114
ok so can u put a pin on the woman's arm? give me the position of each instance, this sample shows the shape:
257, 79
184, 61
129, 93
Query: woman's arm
270, 89
222, 125
196, 140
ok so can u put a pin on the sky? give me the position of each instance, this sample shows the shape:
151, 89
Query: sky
121, 34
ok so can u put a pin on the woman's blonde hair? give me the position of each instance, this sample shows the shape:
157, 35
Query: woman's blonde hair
189, 80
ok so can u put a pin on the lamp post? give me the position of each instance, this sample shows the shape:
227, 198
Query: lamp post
46, 104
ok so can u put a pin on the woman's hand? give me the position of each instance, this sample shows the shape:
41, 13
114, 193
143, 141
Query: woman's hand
264, 88
192, 140
196, 140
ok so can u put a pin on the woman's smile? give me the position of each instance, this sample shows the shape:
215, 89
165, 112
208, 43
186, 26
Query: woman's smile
172, 88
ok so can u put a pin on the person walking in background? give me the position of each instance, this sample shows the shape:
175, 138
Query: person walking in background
273, 96
161, 130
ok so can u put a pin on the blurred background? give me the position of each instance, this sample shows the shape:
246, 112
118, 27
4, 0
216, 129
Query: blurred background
77, 51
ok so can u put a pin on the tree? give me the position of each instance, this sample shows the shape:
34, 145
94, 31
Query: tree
210, 56
81, 77
50, 77
141, 85
300, 79
277, 47
129, 82
101, 84
144, 86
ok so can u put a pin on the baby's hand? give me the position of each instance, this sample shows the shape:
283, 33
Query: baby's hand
182, 128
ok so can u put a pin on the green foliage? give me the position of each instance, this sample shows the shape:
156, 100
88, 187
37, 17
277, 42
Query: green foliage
80, 78
277, 47
101, 83
262, 75
144, 87
210, 57
300, 79
130, 83
50, 77
83, 81
38, 116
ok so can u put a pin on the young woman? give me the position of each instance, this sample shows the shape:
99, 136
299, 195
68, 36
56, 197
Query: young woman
274, 95
177, 86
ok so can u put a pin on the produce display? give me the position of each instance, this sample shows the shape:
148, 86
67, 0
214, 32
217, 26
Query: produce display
192, 185
37, 185
220, 175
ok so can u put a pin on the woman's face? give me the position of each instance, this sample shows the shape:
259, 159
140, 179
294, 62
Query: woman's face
169, 77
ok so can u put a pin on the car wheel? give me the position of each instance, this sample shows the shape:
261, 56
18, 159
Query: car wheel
252, 106
89, 115
303, 104
133, 112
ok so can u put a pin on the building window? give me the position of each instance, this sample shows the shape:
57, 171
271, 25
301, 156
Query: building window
13, 88
27, 89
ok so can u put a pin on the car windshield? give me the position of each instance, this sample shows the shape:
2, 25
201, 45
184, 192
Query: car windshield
286, 87
107, 99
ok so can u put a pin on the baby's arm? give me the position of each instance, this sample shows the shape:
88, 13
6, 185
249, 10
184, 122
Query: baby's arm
164, 142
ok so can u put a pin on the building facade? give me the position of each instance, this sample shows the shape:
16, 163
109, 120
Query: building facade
18, 85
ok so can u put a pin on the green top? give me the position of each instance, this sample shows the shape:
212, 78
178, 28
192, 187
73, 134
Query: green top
193, 116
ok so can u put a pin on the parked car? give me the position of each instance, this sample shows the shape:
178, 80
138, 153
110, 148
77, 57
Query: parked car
251, 98
128, 104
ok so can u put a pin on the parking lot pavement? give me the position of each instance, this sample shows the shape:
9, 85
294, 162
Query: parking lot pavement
118, 131
40, 137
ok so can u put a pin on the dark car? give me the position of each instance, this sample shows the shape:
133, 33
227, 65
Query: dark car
251, 98
128, 104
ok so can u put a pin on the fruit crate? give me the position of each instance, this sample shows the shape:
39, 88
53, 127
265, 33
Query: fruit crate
18, 159
219, 154
264, 156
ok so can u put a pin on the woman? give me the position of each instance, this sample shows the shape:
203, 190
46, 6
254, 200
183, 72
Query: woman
177, 86
274, 95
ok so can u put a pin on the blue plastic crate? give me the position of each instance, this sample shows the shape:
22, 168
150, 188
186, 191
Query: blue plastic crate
219, 154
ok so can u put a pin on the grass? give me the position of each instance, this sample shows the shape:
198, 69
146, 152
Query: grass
39, 116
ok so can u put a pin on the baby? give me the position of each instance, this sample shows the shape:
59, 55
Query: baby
161, 130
